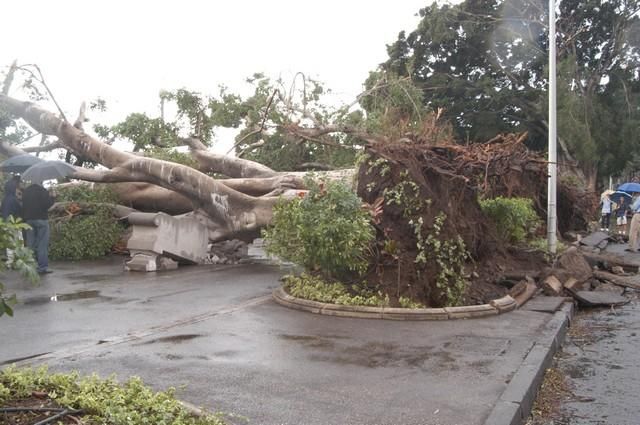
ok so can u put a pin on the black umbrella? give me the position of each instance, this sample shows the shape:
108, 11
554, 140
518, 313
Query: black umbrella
47, 170
616, 196
19, 163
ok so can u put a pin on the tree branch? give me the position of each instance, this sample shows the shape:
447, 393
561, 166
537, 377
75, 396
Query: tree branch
226, 165
8, 79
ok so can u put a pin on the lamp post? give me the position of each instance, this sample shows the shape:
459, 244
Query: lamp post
553, 166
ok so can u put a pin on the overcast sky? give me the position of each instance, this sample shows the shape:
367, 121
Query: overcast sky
127, 51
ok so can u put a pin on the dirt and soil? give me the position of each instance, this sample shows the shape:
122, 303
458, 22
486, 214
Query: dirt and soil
449, 178
38, 401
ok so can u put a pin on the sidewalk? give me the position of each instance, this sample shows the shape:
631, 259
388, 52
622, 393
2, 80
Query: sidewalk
216, 330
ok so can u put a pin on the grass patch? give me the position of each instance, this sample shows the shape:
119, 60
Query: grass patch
314, 288
102, 401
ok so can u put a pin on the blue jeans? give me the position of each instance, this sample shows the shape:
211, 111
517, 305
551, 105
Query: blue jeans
38, 241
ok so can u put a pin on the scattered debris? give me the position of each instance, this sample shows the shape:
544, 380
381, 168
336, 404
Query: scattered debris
625, 281
552, 286
596, 298
594, 239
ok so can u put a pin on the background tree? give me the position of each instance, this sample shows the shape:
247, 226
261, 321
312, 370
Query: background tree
484, 62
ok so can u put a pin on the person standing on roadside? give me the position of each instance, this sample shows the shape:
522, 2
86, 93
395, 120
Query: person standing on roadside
10, 203
621, 216
635, 225
36, 202
606, 213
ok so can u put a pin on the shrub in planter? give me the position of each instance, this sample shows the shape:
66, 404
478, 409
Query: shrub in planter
327, 231
515, 218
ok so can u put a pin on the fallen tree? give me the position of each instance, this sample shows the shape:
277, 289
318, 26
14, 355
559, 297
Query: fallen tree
432, 235
226, 210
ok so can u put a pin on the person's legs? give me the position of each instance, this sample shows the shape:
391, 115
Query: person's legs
41, 244
633, 232
30, 235
607, 221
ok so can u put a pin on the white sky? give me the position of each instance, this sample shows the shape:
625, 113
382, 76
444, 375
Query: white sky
127, 51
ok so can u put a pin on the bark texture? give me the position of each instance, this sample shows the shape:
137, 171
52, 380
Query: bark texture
240, 207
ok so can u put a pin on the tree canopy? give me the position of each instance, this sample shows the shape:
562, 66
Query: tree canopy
484, 62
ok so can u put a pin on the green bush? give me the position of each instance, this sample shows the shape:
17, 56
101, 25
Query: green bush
86, 193
84, 236
327, 231
316, 289
515, 218
103, 400
21, 259
171, 155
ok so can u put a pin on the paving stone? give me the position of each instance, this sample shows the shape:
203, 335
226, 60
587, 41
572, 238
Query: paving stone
544, 304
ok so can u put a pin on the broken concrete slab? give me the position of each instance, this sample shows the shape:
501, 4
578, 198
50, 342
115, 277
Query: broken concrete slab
157, 235
544, 304
594, 239
595, 298
609, 287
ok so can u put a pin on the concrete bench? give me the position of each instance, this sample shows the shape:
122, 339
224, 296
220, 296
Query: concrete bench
160, 241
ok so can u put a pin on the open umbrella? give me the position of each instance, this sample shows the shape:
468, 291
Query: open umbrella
629, 187
19, 163
606, 193
47, 170
616, 196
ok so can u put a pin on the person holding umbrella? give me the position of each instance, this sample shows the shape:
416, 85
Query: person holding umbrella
10, 203
36, 202
606, 213
621, 215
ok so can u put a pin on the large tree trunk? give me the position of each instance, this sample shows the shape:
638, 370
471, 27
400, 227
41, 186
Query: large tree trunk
224, 208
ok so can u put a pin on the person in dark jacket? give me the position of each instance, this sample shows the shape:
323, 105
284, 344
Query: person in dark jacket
36, 202
10, 202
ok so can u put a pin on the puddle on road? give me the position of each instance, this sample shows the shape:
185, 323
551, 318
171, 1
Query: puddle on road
174, 339
309, 341
375, 354
77, 278
79, 295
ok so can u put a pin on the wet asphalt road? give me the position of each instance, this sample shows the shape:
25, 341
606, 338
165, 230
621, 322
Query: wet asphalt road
215, 333
601, 362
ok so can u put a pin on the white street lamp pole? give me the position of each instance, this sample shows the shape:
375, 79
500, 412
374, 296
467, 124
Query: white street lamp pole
553, 167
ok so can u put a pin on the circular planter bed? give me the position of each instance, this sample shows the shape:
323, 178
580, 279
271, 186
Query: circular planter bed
494, 307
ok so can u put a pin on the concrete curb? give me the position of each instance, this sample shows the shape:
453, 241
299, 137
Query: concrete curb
495, 307
515, 403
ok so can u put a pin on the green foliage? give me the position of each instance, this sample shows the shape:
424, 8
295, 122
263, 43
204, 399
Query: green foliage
171, 155
19, 258
406, 194
103, 400
409, 303
485, 63
145, 132
314, 288
268, 111
396, 108
85, 193
542, 245
515, 218
449, 257
326, 231
84, 236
